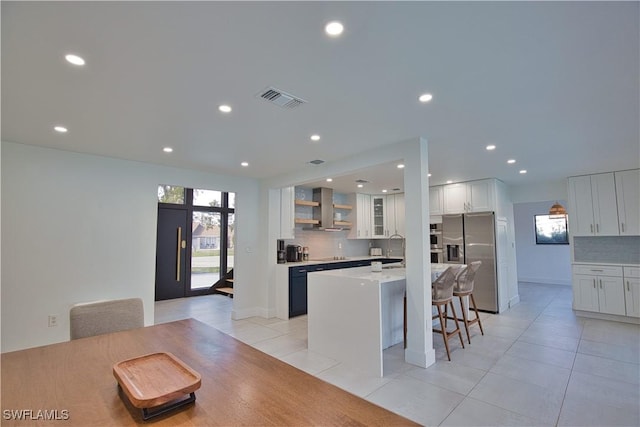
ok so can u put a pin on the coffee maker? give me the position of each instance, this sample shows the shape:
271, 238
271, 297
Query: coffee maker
294, 253
282, 254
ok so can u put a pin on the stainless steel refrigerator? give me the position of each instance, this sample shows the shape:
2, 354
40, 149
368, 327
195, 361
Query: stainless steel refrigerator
472, 237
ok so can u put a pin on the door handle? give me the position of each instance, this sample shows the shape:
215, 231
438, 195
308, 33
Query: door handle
600, 280
622, 225
594, 283
628, 289
597, 228
179, 254
591, 227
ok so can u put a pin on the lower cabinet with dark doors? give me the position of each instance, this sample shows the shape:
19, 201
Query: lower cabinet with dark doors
298, 280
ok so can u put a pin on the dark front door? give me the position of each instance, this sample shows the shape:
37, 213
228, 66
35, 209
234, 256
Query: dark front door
171, 254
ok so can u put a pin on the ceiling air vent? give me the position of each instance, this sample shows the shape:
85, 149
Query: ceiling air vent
281, 98
316, 162
362, 181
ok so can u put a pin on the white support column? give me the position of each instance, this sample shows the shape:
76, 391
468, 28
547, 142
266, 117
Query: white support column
419, 350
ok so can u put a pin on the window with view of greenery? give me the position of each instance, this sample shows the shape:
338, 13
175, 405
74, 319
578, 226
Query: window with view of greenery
551, 230
171, 194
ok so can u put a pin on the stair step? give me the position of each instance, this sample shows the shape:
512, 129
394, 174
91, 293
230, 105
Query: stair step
226, 291
229, 280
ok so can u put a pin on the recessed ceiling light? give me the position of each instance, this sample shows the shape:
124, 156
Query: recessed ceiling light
384, 191
60, 129
167, 150
329, 179
511, 161
244, 164
360, 185
224, 108
400, 166
425, 97
334, 28
491, 147
315, 137
449, 182
429, 175
523, 171
74, 59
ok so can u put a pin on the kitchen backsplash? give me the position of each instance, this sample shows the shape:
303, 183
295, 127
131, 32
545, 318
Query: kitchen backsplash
613, 249
325, 244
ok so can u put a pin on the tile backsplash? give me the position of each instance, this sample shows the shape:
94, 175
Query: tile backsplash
608, 249
326, 244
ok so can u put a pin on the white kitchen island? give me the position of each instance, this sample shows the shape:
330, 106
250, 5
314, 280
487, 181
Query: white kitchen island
354, 314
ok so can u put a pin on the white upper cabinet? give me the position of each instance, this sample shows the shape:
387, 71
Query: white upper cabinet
628, 196
472, 196
378, 216
360, 216
436, 201
395, 214
592, 205
287, 208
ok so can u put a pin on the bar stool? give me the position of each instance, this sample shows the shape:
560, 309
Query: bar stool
441, 296
463, 288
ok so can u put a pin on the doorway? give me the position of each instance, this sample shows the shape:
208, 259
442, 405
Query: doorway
194, 246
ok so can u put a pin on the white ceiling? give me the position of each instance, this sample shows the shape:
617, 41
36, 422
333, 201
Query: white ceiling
553, 85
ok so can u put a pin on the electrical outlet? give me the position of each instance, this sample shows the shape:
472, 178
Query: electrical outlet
53, 320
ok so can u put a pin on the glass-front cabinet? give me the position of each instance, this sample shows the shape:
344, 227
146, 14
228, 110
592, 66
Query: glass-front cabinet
378, 221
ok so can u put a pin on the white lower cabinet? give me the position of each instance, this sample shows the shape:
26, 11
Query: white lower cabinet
598, 288
632, 290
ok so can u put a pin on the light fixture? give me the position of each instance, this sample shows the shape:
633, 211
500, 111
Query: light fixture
329, 179
224, 108
60, 129
511, 161
334, 28
384, 191
523, 171
400, 166
244, 164
74, 59
167, 150
490, 147
429, 175
557, 210
315, 137
449, 182
425, 97
360, 185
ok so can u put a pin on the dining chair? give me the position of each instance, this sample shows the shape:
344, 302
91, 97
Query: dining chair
441, 296
103, 317
463, 288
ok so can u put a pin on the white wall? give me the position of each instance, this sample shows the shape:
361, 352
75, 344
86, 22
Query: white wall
539, 263
79, 228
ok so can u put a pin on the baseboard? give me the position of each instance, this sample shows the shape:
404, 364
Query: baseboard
513, 301
545, 281
603, 316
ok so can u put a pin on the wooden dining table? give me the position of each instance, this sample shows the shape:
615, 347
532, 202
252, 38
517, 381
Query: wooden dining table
72, 384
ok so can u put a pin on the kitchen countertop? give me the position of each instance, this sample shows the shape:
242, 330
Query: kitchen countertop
612, 264
365, 273
331, 260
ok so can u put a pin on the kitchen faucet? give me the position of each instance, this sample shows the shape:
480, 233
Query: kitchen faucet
400, 236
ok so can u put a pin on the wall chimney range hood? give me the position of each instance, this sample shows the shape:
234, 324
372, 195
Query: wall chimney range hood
324, 212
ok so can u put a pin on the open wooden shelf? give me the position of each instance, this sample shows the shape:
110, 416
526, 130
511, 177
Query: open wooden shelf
306, 202
307, 221
343, 223
348, 207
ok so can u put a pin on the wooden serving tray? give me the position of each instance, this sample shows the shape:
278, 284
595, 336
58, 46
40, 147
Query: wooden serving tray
155, 379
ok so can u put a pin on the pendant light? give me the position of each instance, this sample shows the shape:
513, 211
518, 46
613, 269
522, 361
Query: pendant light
557, 209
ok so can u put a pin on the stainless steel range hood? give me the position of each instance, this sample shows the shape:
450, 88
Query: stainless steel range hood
324, 212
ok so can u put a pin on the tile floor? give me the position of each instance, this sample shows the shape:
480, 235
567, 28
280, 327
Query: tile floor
537, 364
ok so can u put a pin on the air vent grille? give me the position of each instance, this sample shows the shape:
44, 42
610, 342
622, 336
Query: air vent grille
280, 98
362, 181
316, 162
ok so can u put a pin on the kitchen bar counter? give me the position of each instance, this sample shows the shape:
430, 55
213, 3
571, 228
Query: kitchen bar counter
354, 314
